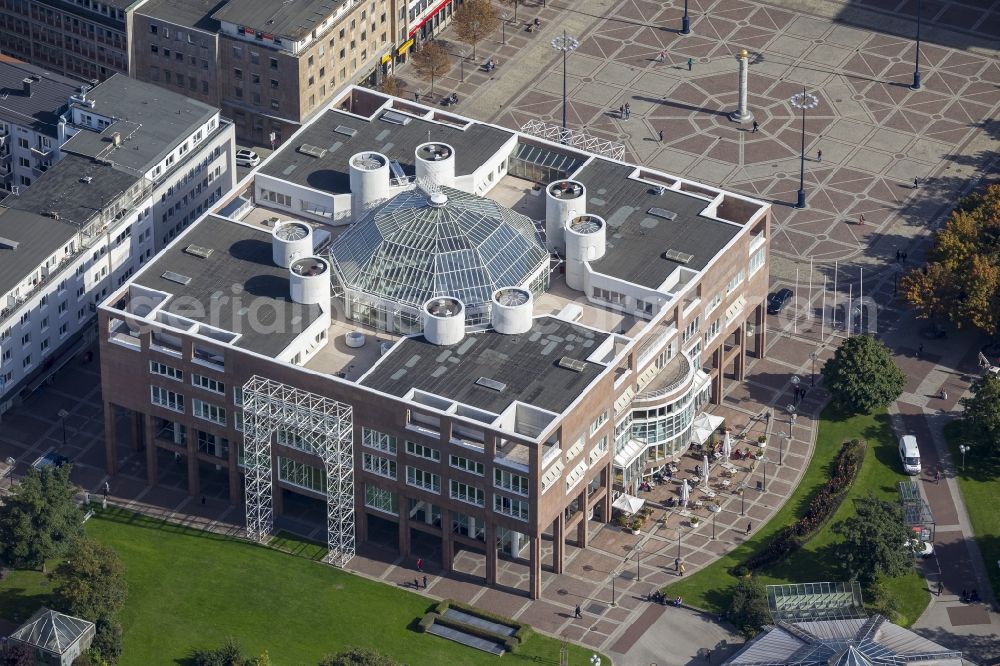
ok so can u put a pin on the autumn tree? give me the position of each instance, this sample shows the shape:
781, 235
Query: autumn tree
431, 60
862, 376
391, 86
475, 20
961, 280
40, 519
514, 4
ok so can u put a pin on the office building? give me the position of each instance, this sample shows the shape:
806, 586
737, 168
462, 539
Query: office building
436, 332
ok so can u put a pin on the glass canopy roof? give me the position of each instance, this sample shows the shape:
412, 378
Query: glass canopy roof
419, 246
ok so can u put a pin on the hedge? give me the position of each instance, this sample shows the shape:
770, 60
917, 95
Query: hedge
510, 643
522, 630
790, 538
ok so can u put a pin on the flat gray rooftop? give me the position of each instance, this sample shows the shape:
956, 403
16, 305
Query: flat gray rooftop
290, 18
62, 190
37, 238
527, 365
237, 288
189, 13
473, 146
638, 240
152, 121
49, 96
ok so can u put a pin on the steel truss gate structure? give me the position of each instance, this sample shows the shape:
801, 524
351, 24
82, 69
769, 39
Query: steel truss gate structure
317, 424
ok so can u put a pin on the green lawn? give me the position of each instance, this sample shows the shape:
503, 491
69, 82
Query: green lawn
815, 562
980, 486
190, 589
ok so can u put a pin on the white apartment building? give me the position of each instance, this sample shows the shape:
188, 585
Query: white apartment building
143, 164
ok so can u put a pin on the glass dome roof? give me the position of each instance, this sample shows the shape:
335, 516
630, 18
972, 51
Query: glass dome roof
449, 243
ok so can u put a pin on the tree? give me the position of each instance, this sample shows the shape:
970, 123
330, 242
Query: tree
962, 278
40, 519
475, 20
230, 654
391, 86
881, 599
431, 60
514, 4
748, 610
875, 541
16, 654
862, 376
90, 583
981, 420
358, 657
107, 645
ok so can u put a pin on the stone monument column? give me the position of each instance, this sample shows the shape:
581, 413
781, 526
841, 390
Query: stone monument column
742, 114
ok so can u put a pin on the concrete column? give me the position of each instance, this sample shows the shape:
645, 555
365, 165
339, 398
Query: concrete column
235, 478
583, 529
535, 566
558, 542
760, 331
110, 438
719, 383
361, 526
608, 474
741, 358
491, 554
742, 114
447, 545
137, 432
404, 531
277, 501
152, 470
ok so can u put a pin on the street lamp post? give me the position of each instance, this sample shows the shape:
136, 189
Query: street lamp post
916, 61
964, 449
803, 101
505, 16
812, 379
461, 64
678, 543
638, 554
686, 21
743, 494
614, 574
791, 419
796, 380
763, 462
713, 526
565, 44
62, 416
781, 448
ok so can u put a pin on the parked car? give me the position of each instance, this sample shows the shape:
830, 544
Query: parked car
50, 459
921, 549
909, 454
777, 301
247, 158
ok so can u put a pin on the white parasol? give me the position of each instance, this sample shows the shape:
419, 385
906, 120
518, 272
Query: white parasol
727, 446
685, 493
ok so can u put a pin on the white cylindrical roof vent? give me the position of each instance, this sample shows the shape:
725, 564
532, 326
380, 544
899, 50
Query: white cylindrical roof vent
563, 199
369, 172
444, 320
435, 163
512, 310
290, 241
586, 240
309, 279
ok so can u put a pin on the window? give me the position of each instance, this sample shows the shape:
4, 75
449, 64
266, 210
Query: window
691, 329
467, 464
301, 475
208, 411
274, 104
714, 303
601, 420
419, 478
511, 507
381, 441
466, 493
238, 73
208, 383
379, 465
613, 297
26, 362
713, 330
274, 63
510, 481
255, 78
293, 440
756, 261
735, 282
415, 449
164, 370
274, 84
381, 499
164, 398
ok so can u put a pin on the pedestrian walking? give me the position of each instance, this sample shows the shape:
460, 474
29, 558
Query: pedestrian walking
920, 350
661, 136
819, 155
937, 476
916, 183
425, 582
621, 111
940, 587
690, 63
107, 488
749, 525
661, 57
420, 564
416, 97
756, 126
904, 257
708, 656
578, 613
104, 503
861, 219
628, 110
899, 256
682, 569
203, 499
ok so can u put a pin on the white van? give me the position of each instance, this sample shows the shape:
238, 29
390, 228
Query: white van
909, 454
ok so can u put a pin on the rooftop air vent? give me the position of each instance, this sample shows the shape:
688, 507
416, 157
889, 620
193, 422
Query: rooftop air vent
396, 118
678, 256
346, 131
665, 214
8, 243
312, 151
199, 251
491, 384
176, 277
444, 307
572, 364
291, 231
512, 297
585, 224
